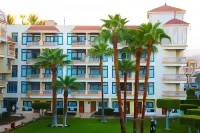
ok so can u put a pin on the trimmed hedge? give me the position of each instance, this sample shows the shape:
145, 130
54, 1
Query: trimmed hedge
68, 114
107, 112
191, 94
193, 112
185, 107
41, 105
168, 103
5, 115
191, 101
191, 120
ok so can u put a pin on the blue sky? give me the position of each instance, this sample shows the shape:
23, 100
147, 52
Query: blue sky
89, 12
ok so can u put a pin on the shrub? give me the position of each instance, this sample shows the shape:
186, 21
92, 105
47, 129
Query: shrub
59, 111
5, 115
185, 107
68, 113
168, 103
191, 94
193, 112
41, 105
191, 101
107, 110
191, 120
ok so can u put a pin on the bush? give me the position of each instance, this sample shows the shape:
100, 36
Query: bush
191, 101
191, 94
191, 120
59, 111
107, 110
5, 115
168, 103
41, 105
68, 113
193, 112
185, 107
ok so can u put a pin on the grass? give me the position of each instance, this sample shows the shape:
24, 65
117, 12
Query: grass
95, 126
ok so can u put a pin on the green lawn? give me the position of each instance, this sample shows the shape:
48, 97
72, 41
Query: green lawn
95, 126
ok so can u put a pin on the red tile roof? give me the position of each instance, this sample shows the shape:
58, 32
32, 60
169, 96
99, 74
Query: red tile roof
176, 21
42, 27
166, 8
99, 27
10, 39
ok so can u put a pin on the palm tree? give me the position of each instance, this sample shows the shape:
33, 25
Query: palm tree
22, 16
153, 35
32, 18
65, 84
113, 30
10, 19
52, 58
40, 22
100, 50
135, 41
126, 67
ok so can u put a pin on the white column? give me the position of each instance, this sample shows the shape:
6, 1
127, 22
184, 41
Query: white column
109, 102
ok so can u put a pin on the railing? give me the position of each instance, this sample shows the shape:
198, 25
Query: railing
37, 92
78, 92
31, 59
174, 93
33, 75
180, 60
79, 76
128, 76
79, 60
50, 43
47, 92
127, 92
2, 81
143, 59
94, 92
94, 59
174, 77
33, 43
94, 76
78, 43
91, 42
47, 75
2, 33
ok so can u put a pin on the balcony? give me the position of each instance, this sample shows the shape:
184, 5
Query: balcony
128, 93
2, 83
45, 43
2, 33
174, 78
79, 44
34, 43
47, 75
174, 93
39, 93
80, 76
86, 93
181, 61
129, 76
31, 61
33, 76
174, 46
94, 76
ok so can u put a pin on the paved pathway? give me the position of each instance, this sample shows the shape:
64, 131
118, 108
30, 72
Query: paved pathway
28, 117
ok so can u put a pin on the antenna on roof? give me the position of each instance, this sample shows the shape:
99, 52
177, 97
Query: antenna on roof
175, 13
165, 3
64, 20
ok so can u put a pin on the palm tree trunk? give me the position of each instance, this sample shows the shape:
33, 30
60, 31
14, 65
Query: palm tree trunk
54, 97
115, 41
137, 77
65, 107
145, 86
125, 104
102, 90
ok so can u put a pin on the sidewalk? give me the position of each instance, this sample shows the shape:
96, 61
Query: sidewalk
28, 117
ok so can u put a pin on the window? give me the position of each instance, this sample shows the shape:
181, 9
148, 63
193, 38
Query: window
14, 70
15, 36
114, 88
78, 70
28, 70
29, 86
27, 106
59, 71
151, 72
47, 86
144, 57
59, 104
23, 71
105, 87
100, 105
23, 87
150, 107
16, 53
143, 71
175, 35
72, 106
113, 73
105, 71
115, 104
97, 86
12, 87
150, 88
24, 54
185, 36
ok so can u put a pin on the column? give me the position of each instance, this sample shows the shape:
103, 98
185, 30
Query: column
41, 39
109, 102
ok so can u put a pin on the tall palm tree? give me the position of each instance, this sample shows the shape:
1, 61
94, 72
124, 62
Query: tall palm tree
113, 30
135, 41
32, 18
126, 67
153, 35
40, 22
52, 58
10, 19
65, 84
100, 50
22, 16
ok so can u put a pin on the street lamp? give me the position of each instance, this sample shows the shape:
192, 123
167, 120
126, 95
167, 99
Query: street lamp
188, 71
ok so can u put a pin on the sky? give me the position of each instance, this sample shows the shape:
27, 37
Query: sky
89, 12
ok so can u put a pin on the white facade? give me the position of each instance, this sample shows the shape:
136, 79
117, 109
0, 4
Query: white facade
167, 69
